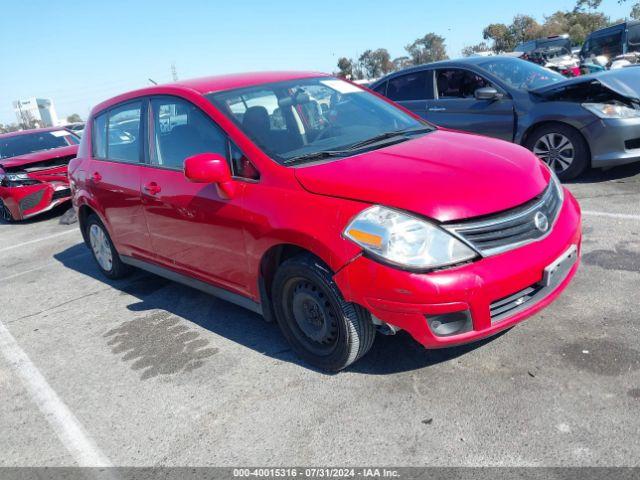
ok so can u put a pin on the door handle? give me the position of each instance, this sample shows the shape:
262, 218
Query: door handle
436, 109
152, 188
96, 177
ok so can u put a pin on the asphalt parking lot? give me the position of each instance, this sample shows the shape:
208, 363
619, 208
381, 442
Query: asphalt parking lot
144, 371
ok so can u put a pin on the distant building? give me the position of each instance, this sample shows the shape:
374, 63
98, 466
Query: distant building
32, 111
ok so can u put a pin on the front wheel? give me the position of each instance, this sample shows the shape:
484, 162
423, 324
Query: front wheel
321, 327
5, 214
562, 148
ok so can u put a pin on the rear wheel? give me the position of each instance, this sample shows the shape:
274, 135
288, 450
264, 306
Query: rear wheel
103, 250
322, 328
562, 148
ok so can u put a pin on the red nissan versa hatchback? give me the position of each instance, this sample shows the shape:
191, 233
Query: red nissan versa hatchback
33, 171
312, 201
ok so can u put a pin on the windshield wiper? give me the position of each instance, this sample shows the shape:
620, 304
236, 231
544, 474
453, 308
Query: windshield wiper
310, 157
387, 135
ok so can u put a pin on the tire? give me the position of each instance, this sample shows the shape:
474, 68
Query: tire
5, 214
568, 160
321, 327
103, 251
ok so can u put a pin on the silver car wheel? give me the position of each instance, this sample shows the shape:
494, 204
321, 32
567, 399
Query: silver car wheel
555, 150
101, 247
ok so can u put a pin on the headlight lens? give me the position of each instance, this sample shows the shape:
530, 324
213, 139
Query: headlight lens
557, 184
15, 179
605, 110
405, 240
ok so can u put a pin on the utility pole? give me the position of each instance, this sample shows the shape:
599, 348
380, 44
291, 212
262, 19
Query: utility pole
174, 72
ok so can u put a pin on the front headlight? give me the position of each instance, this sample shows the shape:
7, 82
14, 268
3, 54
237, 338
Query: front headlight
15, 179
557, 184
405, 240
606, 110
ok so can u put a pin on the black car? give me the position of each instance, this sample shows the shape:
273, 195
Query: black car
612, 41
572, 124
554, 43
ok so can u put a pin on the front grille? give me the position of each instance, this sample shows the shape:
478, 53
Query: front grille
510, 229
632, 144
30, 201
61, 194
504, 307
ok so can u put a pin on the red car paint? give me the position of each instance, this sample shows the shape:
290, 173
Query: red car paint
50, 183
195, 230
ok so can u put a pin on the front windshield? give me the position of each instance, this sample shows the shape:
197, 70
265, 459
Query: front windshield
23, 144
521, 74
307, 117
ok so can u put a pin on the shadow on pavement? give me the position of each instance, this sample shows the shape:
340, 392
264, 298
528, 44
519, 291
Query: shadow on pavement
598, 175
141, 343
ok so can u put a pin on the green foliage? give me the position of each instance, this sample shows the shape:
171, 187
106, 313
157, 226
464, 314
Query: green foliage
74, 118
427, 49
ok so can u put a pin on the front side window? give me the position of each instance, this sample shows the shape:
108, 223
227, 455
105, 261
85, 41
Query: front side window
124, 133
609, 45
37, 141
412, 86
633, 38
305, 117
182, 130
458, 83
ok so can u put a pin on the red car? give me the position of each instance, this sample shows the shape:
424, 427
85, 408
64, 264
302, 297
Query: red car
33, 171
315, 202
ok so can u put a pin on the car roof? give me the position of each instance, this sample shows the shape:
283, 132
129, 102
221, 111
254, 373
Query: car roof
617, 26
459, 62
216, 83
31, 131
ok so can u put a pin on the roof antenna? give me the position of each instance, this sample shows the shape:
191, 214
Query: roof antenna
152, 81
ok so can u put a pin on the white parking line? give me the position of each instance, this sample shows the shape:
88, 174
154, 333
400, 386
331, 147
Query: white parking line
623, 216
68, 428
59, 234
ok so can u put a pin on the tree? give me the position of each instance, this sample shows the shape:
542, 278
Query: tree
582, 5
427, 49
345, 67
376, 63
525, 28
473, 49
74, 118
502, 37
401, 62
635, 11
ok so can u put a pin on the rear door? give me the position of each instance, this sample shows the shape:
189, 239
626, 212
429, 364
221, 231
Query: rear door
194, 230
455, 105
118, 143
412, 90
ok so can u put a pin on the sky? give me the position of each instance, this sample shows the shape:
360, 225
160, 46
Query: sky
79, 53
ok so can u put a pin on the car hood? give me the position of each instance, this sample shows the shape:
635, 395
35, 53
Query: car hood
35, 157
443, 175
624, 82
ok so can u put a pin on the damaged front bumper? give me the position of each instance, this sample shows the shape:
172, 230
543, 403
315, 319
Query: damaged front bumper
26, 201
613, 141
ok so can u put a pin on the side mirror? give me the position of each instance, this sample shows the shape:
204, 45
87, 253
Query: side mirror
210, 168
486, 93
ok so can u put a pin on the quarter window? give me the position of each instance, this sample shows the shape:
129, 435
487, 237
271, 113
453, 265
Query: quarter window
124, 133
634, 38
99, 136
182, 130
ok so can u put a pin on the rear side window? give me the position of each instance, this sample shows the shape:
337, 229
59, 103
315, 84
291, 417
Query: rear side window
381, 89
182, 130
413, 86
124, 133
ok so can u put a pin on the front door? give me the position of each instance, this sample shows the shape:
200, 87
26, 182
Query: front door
455, 105
193, 228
